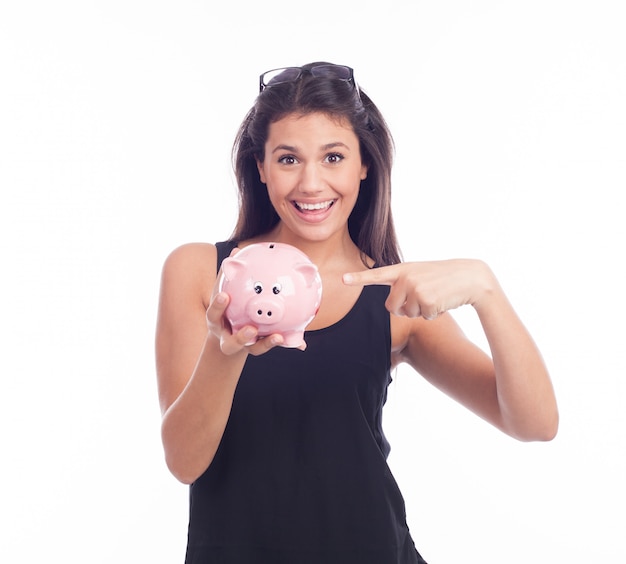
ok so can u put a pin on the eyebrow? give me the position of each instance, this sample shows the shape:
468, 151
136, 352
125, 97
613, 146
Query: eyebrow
326, 147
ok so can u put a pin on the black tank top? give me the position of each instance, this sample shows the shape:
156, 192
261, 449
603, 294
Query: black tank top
300, 475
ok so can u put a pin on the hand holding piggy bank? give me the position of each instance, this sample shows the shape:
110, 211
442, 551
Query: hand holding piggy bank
274, 287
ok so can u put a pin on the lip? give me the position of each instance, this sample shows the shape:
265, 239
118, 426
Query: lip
313, 214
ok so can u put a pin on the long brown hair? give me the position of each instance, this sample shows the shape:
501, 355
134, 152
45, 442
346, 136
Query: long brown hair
370, 224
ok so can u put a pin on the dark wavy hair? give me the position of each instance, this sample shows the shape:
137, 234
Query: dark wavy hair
370, 224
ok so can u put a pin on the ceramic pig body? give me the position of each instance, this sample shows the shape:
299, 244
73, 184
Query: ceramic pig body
274, 287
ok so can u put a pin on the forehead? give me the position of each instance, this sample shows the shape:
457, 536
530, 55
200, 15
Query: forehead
310, 126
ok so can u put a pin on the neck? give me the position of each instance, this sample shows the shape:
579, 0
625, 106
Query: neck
336, 250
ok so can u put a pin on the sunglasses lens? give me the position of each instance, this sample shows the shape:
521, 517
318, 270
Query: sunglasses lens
277, 76
339, 72
291, 74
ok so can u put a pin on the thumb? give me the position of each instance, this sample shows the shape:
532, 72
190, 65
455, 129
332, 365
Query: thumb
216, 308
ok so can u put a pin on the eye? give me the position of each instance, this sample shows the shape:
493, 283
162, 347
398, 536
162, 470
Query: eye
334, 158
258, 287
277, 288
287, 160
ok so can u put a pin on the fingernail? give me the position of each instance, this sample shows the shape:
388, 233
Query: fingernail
220, 299
348, 278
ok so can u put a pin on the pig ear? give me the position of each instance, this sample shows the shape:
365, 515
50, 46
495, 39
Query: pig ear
308, 270
232, 267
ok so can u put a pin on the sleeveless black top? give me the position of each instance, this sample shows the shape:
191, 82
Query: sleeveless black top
300, 475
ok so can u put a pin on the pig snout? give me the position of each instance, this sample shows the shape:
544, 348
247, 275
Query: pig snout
265, 312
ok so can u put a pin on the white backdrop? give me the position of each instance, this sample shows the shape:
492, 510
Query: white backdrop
116, 123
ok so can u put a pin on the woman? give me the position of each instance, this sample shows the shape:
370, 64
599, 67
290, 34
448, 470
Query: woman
284, 448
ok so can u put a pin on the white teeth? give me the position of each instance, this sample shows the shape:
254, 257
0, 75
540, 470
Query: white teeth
318, 206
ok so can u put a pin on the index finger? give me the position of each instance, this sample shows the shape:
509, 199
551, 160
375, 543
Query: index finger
386, 275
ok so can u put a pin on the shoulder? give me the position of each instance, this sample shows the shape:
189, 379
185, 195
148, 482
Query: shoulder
191, 268
192, 258
191, 253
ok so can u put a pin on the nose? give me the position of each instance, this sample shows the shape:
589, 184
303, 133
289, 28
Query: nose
311, 179
265, 312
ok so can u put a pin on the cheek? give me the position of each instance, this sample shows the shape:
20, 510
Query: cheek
280, 182
276, 192
352, 184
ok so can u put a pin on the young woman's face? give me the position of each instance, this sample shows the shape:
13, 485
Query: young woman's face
313, 171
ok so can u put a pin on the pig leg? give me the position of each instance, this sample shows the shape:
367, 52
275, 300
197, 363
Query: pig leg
292, 339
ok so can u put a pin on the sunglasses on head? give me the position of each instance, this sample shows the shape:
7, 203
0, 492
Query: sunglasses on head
292, 74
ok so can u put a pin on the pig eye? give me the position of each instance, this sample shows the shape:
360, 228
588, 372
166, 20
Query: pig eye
258, 287
277, 288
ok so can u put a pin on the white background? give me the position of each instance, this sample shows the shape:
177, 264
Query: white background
116, 123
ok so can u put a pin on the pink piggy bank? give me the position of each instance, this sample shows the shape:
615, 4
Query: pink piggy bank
274, 287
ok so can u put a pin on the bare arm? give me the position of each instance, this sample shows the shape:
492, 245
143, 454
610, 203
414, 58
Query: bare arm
198, 361
196, 382
512, 390
528, 408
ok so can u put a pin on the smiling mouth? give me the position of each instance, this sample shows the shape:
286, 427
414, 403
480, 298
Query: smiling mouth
319, 206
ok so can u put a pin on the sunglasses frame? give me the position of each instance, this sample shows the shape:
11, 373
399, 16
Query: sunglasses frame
314, 71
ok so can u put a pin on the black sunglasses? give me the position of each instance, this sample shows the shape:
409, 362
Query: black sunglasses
291, 74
